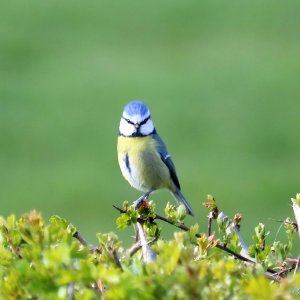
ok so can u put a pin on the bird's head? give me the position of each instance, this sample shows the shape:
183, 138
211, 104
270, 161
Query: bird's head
136, 120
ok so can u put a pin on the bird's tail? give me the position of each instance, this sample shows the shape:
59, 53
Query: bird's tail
180, 198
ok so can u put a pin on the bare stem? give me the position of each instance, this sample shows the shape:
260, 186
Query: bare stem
114, 255
148, 254
296, 208
210, 218
77, 236
71, 291
136, 246
83, 242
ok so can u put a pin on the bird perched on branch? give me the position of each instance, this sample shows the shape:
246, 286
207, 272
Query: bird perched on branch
143, 157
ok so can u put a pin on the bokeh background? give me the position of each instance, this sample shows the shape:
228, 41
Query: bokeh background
222, 81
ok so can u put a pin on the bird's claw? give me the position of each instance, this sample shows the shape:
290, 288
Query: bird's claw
144, 197
139, 201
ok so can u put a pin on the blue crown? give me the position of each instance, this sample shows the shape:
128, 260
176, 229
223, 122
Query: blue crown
136, 108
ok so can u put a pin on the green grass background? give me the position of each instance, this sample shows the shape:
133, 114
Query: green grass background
221, 80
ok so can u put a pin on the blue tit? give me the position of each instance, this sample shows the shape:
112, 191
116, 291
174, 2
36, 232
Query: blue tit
143, 157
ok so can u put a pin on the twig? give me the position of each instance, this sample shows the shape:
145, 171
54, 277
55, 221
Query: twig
285, 222
93, 248
77, 236
297, 265
83, 242
15, 249
237, 255
293, 261
283, 272
99, 289
135, 247
183, 227
210, 218
271, 277
148, 254
71, 291
114, 255
296, 208
233, 227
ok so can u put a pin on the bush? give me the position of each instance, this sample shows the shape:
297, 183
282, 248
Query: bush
51, 260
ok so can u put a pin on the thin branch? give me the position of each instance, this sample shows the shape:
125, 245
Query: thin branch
114, 255
272, 277
285, 222
77, 236
297, 265
71, 291
135, 247
296, 208
148, 254
15, 249
236, 255
232, 227
83, 242
122, 211
183, 227
210, 218
283, 272
93, 248
293, 261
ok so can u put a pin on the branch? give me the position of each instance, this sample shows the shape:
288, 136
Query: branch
71, 291
297, 265
135, 247
93, 248
296, 208
286, 222
183, 227
148, 254
77, 236
114, 255
232, 227
210, 218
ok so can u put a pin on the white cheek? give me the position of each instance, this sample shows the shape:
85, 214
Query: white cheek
126, 128
147, 128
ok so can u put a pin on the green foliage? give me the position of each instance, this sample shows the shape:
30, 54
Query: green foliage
259, 250
129, 217
43, 260
270, 255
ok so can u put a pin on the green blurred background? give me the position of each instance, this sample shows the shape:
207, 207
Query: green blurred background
221, 80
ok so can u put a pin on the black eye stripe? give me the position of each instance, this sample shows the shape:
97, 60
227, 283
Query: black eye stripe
145, 121
142, 123
128, 121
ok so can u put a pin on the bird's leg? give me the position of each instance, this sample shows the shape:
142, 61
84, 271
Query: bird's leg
137, 202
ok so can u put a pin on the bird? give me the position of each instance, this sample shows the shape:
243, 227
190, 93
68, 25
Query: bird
143, 157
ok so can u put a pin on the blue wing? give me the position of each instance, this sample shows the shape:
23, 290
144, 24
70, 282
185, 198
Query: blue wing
166, 158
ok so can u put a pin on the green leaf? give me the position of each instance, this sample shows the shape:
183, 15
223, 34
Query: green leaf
71, 229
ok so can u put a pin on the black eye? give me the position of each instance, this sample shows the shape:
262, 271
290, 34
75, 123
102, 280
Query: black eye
128, 121
145, 121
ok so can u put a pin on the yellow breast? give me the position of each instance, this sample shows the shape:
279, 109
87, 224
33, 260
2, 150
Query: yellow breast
141, 164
